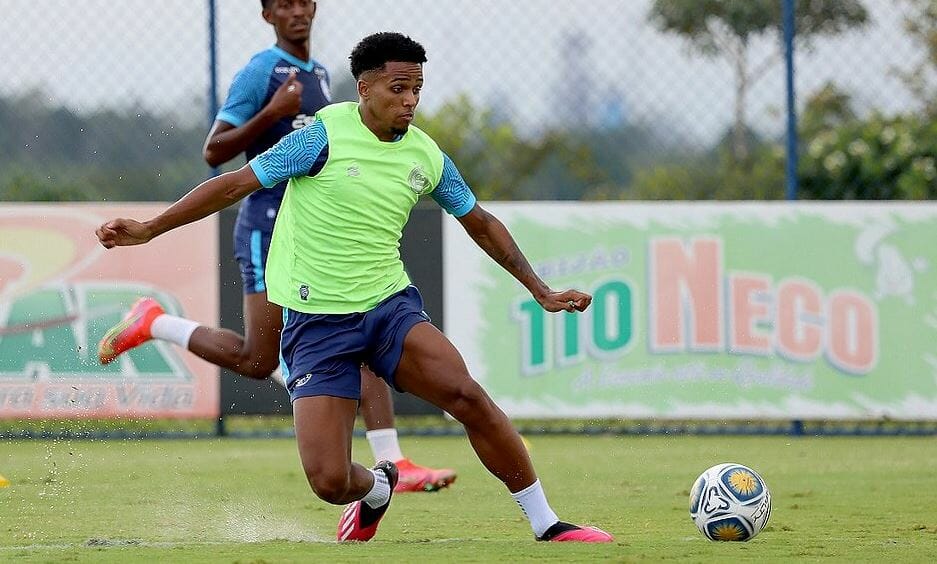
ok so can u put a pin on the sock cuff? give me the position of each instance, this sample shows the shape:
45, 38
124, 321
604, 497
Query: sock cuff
379, 494
174, 329
380, 433
526, 490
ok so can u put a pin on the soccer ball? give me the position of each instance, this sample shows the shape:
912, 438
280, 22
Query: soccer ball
730, 502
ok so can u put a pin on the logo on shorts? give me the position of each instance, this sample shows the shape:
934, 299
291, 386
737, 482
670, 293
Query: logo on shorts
418, 181
304, 292
302, 381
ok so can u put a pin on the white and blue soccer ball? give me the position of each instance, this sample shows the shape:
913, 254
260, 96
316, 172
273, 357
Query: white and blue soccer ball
730, 502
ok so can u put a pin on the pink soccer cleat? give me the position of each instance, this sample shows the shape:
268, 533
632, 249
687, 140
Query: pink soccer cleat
565, 532
359, 521
416, 478
132, 331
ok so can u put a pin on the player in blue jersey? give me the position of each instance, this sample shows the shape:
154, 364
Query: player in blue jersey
276, 93
335, 269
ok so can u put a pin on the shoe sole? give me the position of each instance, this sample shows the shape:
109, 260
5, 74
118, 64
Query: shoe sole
433, 486
111, 339
439, 484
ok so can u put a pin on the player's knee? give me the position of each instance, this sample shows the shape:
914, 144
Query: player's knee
329, 486
469, 402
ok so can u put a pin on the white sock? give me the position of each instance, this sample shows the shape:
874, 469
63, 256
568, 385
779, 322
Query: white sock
384, 444
277, 376
379, 493
534, 504
174, 329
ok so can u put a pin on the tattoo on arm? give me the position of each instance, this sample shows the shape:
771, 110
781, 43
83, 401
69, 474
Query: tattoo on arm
494, 238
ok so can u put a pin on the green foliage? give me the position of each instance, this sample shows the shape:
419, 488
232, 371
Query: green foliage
52, 154
704, 21
844, 157
492, 156
698, 20
500, 163
726, 28
705, 177
25, 186
922, 28
877, 158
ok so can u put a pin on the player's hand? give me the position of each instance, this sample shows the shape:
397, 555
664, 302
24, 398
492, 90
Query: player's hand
567, 300
123, 233
288, 98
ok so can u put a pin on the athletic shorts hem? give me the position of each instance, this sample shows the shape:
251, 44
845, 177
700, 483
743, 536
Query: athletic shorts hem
314, 391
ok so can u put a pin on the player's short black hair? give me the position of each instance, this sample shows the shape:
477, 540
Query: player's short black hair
264, 4
374, 51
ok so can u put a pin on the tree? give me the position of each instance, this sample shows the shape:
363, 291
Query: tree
701, 177
50, 153
727, 28
922, 26
491, 155
873, 158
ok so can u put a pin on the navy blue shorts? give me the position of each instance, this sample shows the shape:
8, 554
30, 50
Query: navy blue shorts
250, 250
322, 354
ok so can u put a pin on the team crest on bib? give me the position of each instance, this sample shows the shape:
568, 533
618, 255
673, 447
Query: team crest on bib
418, 181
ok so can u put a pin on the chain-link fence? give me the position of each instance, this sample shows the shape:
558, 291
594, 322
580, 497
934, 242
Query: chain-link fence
534, 99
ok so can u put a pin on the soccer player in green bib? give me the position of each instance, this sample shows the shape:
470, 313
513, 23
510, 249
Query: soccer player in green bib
334, 267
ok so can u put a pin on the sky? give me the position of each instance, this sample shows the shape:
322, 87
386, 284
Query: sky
88, 54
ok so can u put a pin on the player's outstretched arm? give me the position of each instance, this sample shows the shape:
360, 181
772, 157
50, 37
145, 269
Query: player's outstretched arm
205, 199
495, 239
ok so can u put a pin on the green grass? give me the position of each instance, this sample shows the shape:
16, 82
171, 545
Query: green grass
835, 499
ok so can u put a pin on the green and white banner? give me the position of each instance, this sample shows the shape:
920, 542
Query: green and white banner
706, 311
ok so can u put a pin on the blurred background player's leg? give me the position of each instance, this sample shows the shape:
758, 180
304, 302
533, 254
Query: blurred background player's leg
377, 409
254, 355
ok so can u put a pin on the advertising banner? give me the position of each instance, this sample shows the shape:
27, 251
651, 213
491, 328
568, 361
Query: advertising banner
706, 311
60, 291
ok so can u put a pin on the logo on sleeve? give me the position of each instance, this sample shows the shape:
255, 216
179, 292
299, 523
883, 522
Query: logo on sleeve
418, 181
324, 83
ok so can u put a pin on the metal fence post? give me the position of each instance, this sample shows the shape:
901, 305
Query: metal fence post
788, 7
212, 69
212, 107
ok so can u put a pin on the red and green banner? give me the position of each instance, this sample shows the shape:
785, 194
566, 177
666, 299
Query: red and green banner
706, 311
60, 291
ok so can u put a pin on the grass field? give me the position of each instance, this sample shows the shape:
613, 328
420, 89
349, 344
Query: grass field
211, 500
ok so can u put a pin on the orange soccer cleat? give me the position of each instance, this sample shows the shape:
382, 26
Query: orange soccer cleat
132, 331
416, 478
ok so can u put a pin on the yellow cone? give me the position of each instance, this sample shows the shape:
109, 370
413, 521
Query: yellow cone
4, 482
